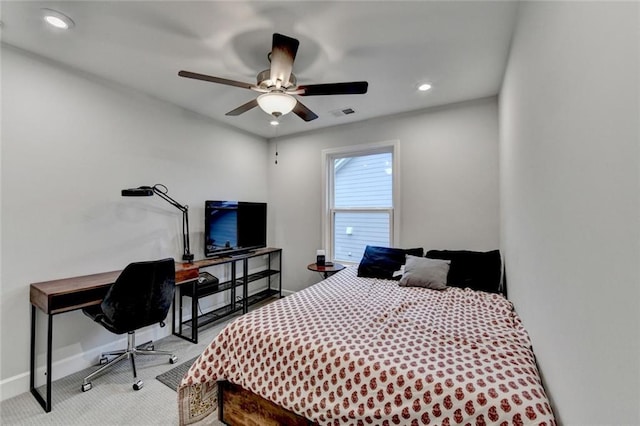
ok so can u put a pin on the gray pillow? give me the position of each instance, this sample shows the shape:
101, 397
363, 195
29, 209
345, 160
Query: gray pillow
425, 272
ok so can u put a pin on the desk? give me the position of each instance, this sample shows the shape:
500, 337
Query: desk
70, 294
326, 270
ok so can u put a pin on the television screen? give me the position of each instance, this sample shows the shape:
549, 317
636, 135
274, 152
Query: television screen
252, 225
234, 226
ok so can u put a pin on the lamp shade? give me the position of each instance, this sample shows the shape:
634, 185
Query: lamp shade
143, 191
276, 103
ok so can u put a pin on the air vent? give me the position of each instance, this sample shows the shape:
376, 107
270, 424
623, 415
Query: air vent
343, 111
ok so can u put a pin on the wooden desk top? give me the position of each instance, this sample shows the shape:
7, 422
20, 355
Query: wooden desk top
68, 294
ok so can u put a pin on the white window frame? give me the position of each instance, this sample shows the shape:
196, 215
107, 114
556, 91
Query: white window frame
328, 211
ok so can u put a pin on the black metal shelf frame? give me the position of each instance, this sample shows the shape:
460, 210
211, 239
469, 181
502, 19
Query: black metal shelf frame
234, 306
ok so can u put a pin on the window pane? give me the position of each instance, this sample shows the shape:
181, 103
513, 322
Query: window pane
363, 181
353, 231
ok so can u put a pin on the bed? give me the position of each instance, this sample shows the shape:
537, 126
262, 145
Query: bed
359, 350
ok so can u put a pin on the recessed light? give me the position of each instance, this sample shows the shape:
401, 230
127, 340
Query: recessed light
424, 87
274, 122
57, 19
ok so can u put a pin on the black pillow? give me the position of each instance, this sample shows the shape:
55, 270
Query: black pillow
418, 251
382, 262
474, 269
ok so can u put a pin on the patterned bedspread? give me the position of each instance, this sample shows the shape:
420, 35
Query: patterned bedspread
352, 350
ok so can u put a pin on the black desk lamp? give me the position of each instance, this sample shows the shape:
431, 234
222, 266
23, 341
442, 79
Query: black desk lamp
161, 191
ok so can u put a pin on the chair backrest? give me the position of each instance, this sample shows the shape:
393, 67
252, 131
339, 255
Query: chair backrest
141, 295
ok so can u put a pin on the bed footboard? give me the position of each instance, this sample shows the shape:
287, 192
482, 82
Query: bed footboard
238, 406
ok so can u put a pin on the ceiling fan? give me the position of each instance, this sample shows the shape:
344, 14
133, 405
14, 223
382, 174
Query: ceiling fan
278, 85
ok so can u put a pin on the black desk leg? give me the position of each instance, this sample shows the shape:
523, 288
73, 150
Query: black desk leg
245, 287
233, 286
280, 274
269, 269
178, 301
46, 404
194, 312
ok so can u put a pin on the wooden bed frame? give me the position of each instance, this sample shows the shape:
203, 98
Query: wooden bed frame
238, 406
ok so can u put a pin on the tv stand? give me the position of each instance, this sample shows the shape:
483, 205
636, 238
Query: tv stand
240, 278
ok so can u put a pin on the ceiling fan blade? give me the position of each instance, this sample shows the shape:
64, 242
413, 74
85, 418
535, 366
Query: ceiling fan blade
196, 76
244, 108
303, 112
283, 53
350, 88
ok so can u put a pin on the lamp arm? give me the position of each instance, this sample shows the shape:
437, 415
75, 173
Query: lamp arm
161, 191
185, 236
164, 196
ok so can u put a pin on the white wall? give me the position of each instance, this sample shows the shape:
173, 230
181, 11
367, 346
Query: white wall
448, 172
70, 143
570, 185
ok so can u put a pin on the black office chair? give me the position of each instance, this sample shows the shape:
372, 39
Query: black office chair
141, 296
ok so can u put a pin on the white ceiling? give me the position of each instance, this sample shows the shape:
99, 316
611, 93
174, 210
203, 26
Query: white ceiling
459, 47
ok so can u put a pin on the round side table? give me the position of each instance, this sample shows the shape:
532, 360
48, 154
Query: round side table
326, 270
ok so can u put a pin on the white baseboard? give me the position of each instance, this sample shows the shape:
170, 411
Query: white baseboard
287, 292
19, 383
14, 386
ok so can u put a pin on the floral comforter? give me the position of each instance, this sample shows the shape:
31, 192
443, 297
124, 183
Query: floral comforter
352, 350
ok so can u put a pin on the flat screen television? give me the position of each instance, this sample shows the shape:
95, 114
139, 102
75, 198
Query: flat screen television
233, 227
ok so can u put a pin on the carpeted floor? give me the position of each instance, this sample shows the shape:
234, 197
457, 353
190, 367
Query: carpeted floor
112, 401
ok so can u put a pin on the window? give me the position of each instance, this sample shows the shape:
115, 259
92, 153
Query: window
360, 206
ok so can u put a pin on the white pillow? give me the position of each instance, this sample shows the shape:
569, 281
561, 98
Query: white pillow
425, 272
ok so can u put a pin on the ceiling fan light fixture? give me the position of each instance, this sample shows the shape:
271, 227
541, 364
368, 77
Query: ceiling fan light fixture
57, 19
278, 85
276, 103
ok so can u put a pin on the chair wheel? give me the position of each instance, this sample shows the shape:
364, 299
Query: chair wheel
173, 359
138, 385
86, 387
104, 360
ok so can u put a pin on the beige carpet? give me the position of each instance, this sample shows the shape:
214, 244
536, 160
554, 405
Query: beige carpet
112, 401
